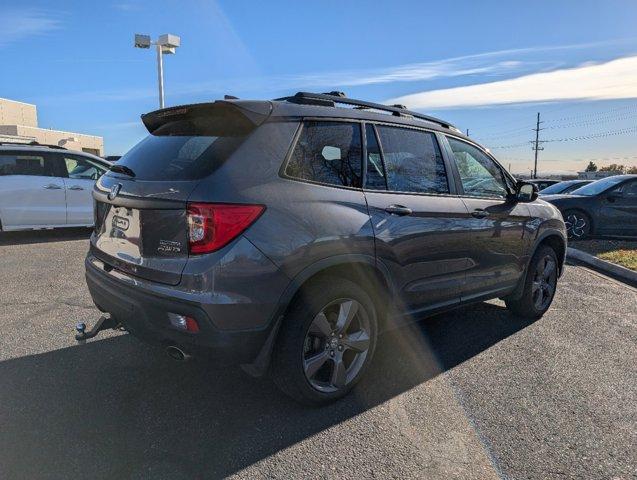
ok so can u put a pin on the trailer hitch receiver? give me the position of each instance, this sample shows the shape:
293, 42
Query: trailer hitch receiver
104, 323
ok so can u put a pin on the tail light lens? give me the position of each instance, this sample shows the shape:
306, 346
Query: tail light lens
212, 226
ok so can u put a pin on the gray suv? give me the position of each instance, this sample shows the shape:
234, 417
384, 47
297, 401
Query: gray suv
286, 235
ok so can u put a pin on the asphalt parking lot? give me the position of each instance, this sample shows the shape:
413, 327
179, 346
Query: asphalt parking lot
476, 393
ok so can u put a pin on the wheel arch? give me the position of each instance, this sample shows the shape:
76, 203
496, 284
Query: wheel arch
371, 275
557, 242
364, 270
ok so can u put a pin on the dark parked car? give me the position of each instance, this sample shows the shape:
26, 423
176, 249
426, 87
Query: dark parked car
285, 235
542, 183
604, 207
564, 187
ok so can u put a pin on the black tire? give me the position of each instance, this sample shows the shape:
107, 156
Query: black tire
297, 345
527, 305
578, 224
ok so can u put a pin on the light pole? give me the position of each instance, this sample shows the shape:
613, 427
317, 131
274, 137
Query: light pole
166, 44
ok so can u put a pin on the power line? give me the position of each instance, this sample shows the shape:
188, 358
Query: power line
611, 133
587, 123
593, 114
615, 114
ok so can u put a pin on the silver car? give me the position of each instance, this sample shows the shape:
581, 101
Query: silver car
46, 187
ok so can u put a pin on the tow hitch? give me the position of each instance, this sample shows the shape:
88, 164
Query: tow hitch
104, 323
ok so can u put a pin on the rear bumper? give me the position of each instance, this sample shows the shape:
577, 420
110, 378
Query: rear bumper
143, 309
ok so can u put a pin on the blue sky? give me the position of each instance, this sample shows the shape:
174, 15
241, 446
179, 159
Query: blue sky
488, 66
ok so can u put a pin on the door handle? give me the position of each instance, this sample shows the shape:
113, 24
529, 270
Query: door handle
75, 187
52, 186
479, 213
398, 210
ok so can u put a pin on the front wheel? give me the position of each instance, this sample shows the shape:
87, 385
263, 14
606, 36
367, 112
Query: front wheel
578, 224
326, 341
539, 286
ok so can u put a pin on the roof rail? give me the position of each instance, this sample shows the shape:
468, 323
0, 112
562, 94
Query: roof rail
332, 98
33, 144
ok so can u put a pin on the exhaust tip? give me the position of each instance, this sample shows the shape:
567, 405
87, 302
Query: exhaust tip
177, 354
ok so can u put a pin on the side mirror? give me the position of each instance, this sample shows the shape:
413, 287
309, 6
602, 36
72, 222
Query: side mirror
526, 192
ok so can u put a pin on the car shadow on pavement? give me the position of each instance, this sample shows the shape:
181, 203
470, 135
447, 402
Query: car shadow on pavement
116, 408
44, 236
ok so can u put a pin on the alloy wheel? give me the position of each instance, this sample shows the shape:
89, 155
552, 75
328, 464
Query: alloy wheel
336, 345
576, 225
544, 282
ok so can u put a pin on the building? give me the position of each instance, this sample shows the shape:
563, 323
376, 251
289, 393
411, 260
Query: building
597, 175
19, 123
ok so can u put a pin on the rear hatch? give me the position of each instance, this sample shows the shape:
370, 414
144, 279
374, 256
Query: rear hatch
141, 221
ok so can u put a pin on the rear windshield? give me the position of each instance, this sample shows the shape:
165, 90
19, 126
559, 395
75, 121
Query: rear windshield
179, 157
189, 143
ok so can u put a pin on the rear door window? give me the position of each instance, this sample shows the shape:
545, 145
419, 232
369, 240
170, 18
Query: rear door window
412, 160
329, 153
31, 164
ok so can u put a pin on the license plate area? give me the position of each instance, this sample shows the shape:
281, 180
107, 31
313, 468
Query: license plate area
120, 234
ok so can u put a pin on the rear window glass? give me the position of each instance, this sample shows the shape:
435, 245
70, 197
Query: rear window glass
328, 152
25, 164
179, 157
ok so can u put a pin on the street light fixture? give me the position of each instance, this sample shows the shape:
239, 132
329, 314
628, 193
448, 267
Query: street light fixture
166, 45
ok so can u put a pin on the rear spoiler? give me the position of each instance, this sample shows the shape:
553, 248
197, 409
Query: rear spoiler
222, 117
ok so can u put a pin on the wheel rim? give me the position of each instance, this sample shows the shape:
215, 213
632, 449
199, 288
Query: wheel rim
336, 345
576, 225
544, 282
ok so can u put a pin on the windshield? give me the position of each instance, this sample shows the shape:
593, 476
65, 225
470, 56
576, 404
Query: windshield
599, 186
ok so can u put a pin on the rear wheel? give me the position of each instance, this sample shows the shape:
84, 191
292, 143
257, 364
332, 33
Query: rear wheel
326, 342
578, 224
539, 287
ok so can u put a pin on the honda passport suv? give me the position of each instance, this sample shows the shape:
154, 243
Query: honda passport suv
285, 235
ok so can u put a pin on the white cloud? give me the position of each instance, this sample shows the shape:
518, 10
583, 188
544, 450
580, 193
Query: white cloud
498, 62
17, 24
616, 79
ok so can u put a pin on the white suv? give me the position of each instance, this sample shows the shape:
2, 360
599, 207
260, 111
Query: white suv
46, 186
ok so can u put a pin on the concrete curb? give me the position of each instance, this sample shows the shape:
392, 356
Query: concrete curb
620, 273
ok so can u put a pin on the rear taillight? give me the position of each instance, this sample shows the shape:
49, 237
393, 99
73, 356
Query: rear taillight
212, 226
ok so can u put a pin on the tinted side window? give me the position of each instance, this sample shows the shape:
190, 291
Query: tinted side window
375, 169
413, 162
80, 168
629, 189
328, 152
26, 164
480, 175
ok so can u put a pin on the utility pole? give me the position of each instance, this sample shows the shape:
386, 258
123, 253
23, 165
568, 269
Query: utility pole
537, 142
160, 74
467, 132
